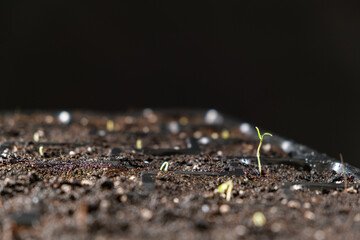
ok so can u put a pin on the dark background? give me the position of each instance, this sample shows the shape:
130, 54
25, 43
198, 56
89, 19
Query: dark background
291, 67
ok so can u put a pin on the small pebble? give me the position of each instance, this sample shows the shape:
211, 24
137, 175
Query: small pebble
245, 128
214, 135
319, 235
351, 190
104, 204
176, 200
174, 127
276, 227
204, 140
132, 178
183, 120
213, 117
224, 209
123, 198
86, 182
71, 153
120, 191
64, 117
266, 147
309, 215
146, 214
205, 208
307, 205
294, 204
241, 230
357, 217
259, 219
208, 195
197, 134
66, 188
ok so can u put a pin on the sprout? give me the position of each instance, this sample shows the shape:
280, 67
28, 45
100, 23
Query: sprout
41, 150
258, 149
164, 166
225, 134
110, 125
138, 144
36, 136
226, 186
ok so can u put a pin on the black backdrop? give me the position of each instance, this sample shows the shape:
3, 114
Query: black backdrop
291, 67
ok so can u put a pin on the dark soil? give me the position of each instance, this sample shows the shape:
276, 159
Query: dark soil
90, 183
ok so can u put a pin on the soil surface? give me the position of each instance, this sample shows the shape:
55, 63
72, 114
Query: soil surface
98, 177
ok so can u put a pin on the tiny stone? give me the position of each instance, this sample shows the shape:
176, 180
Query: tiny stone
104, 204
146, 129
197, 134
245, 128
319, 235
66, 188
284, 201
351, 190
71, 153
357, 217
146, 214
241, 192
86, 182
64, 117
183, 120
49, 119
224, 209
294, 204
176, 200
276, 227
307, 205
123, 198
174, 127
205, 208
84, 121
208, 195
132, 178
214, 135
309, 215
259, 219
204, 140
267, 147
273, 210
241, 230
120, 191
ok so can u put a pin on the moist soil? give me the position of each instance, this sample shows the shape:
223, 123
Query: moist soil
91, 179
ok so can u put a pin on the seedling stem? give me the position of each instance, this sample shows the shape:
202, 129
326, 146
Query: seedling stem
259, 147
226, 186
164, 166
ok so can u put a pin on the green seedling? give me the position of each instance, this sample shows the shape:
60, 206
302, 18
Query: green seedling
259, 147
138, 144
41, 150
226, 186
110, 125
164, 166
36, 137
